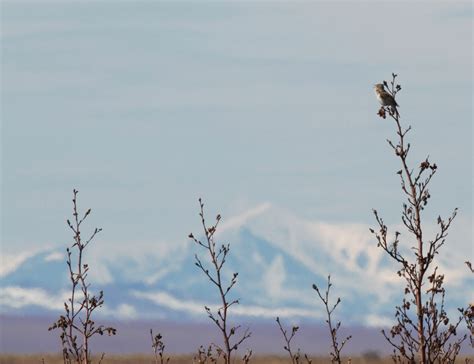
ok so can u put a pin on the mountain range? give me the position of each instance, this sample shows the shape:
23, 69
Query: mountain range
278, 257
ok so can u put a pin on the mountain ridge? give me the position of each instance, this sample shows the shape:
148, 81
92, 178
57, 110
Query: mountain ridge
278, 257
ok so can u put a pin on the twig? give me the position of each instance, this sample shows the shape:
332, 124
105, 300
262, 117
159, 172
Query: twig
77, 326
218, 256
336, 346
295, 357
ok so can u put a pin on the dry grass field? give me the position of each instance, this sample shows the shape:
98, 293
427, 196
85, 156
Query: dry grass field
148, 359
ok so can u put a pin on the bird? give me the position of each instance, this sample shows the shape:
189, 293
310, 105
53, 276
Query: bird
385, 98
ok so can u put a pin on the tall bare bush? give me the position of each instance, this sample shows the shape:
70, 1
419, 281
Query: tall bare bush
217, 254
336, 345
158, 347
423, 332
295, 356
77, 325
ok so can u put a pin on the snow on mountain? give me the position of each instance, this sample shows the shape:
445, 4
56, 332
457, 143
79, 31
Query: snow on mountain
278, 256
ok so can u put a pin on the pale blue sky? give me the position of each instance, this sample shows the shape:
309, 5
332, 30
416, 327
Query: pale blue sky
146, 107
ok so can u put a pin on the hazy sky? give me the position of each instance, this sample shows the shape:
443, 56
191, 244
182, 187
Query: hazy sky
144, 107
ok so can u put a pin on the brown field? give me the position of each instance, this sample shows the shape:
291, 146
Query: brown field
182, 359
142, 359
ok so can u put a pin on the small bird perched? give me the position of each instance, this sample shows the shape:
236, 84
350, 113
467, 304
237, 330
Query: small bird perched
385, 98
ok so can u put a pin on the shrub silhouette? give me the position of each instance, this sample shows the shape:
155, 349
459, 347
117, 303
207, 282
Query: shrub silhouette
428, 335
337, 346
294, 356
77, 324
158, 347
218, 255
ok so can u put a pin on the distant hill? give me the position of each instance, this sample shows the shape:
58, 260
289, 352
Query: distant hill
278, 257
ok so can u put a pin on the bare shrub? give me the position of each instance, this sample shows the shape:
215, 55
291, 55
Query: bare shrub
295, 357
427, 335
158, 347
333, 329
77, 325
469, 313
218, 255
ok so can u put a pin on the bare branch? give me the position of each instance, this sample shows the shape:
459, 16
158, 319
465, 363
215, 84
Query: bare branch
426, 336
217, 255
336, 345
77, 326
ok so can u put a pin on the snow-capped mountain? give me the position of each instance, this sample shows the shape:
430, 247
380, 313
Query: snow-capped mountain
278, 257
